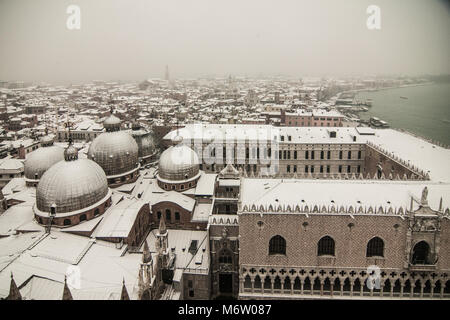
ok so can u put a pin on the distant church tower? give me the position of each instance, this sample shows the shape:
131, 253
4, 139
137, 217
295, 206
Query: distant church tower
167, 75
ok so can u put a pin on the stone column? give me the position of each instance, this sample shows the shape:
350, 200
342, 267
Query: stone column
432, 290
253, 284
241, 284
421, 289
302, 282
271, 285
351, 287
411, 292
292, 285
342, 288
331, 287
321, 287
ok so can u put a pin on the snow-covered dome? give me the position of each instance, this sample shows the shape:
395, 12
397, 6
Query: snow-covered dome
112, 123
41, 159
116, 152
178, 163
71, 185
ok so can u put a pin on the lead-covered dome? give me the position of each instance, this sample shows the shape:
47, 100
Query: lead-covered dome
112, 123
178, 163
41, 159
116, 152
71, 185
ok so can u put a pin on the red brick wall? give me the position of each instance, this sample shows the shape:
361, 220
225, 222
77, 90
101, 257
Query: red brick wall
185, 217
301, 244
373, 157
75, 219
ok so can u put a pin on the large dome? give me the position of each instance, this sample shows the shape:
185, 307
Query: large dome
40, 160
178, 163
116, 152
71, 185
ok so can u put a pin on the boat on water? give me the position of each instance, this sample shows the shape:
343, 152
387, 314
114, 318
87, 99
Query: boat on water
378, 123
403, 97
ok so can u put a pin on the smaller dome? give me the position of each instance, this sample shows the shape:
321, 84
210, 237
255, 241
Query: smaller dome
112, 123
177, 139
178, 163
71, 153
40, 160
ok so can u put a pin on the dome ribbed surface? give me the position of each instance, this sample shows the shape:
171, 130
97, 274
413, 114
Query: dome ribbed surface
178, 163
71, 185
40, 160
116, 152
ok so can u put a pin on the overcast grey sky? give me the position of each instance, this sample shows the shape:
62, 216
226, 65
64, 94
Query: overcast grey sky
135, 39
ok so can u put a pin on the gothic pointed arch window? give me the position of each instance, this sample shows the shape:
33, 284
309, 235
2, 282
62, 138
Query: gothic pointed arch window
325, 246
225, 256
375, 247
277, 245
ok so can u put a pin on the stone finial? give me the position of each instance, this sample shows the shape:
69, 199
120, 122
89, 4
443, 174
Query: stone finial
162, 225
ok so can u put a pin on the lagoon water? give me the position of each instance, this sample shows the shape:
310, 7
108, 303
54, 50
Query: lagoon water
425, 112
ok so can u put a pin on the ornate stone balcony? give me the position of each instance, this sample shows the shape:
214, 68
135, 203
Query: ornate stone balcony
422, 267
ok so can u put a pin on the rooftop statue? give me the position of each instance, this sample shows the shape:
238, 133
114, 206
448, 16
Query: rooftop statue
423, 200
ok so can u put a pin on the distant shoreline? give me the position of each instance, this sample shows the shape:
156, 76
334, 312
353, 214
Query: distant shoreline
395, 87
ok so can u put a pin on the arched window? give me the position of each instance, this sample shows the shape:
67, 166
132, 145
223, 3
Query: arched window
159, 214
83, 217
325, 246
225, 257
96, 212
177, 216
375, 248
421, 253
168, 215
67, 222
277, 245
